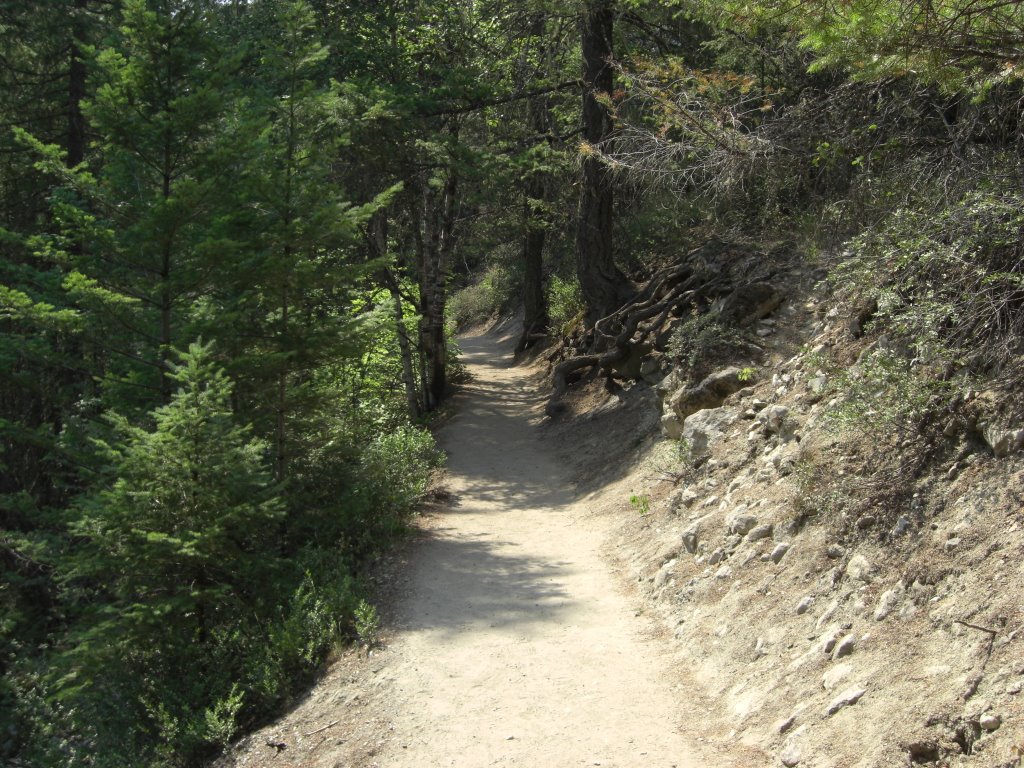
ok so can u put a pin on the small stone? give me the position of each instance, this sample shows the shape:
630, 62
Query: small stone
902, 526
951, 544
760, 532
844, 647
835, 675
671, 426
732, 542
779, 552
775, 419
1014, 688
760, 648
661, 577
804, 605
828, 643
835, 551
784, 725
847, 698
887, 603
723, 573
716, 556
791, 755
866, 521
764, 332
740, 522
690, 538
990, 722
684, 498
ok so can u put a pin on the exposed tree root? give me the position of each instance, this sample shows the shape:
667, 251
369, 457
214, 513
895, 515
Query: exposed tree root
615, 336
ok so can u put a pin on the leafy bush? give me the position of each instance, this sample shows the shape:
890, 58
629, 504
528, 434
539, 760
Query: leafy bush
948, 283
496, 291
886, 397
397, 466
700, 339
565, 303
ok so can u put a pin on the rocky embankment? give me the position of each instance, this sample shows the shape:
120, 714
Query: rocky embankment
836, 605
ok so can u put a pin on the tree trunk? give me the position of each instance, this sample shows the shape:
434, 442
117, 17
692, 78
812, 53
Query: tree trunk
535, 318
377, 238
76, 86
166, 300
604, 286
435, 243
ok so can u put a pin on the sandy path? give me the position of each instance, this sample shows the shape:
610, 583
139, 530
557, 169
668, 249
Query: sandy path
512, 643
514, 646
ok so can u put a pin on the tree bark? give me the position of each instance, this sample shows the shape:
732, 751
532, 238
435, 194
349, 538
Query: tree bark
377, 238
76, 86
604, 287
535, 318
442, 244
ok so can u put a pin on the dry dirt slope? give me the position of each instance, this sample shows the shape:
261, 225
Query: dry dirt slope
888, 636
510, 642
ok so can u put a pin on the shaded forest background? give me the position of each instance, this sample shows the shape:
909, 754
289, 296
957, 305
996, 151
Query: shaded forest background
236, 238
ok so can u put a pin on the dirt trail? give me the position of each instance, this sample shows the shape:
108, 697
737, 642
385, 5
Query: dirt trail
513, 644
516, 646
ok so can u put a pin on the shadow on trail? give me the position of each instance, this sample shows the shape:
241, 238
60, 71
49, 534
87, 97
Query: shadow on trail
464, 583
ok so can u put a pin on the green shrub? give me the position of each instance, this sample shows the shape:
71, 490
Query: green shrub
398, 466
949, 283
565, 303
702, 338
495, 292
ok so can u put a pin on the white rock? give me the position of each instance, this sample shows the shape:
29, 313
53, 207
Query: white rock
792, 754
828, 642
1004, 442
705, 427
740, 521
859, 568
804, 605
780, 551
775, 419
723, 573
847, 698
887, 603
671, 426
990, 722
844, 647
835, 675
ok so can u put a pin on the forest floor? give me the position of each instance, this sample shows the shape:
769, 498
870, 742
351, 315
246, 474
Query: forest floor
509, 636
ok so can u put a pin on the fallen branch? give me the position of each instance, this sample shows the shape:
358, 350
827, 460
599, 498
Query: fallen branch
324, 728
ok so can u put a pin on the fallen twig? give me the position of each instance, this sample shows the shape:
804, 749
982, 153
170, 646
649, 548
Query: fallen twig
320, 730
992, 632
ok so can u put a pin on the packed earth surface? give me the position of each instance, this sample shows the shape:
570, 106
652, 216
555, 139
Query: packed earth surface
511, 641
584, 594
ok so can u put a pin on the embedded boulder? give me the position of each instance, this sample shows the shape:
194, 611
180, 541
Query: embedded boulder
710, 393
749, 303
703, 428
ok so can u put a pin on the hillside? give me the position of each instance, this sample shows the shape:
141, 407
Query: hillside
841, 600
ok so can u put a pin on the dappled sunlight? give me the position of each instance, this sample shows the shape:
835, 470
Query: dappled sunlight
469, 582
